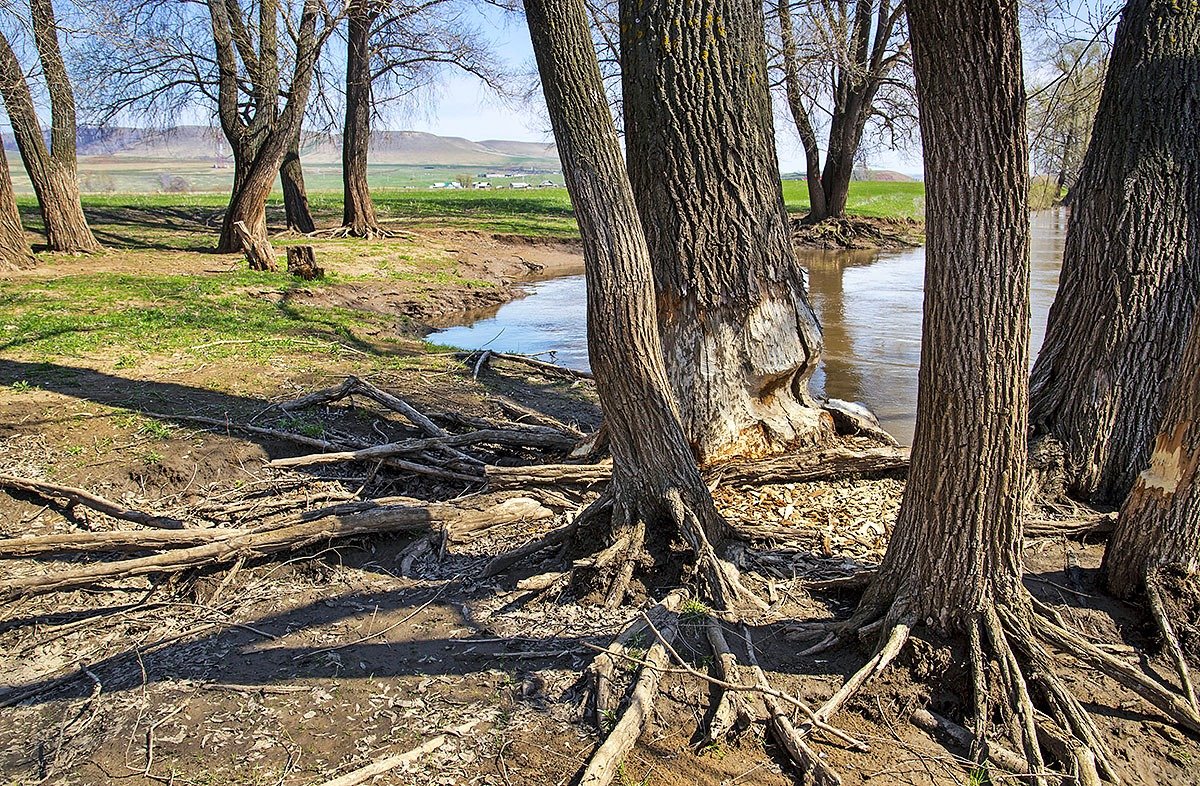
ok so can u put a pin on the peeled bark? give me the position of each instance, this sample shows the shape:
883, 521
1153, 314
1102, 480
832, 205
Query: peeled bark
14, 251
656, 491
358, 211
1131, 267
739, 337
955, 546
1159, 525
295, 197
52, 170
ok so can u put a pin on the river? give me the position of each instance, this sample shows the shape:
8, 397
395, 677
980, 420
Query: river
869, 304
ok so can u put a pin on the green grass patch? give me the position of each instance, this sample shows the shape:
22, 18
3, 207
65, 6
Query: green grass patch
127, 317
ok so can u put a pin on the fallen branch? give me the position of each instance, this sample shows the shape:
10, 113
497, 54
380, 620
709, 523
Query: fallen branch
364, 774
91, 542
77, 496
1099, 524
604, 764
550, 368
384, 518
523, 439
827, 464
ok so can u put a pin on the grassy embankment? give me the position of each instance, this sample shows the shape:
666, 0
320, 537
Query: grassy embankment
158, 299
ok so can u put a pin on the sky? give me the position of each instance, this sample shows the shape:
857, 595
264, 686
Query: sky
464, 108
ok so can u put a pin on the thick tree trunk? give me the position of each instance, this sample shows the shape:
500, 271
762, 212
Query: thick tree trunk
52, 170
1159, 525
657, 491
295, 197
739, 337
244, 227
358, 211
1131, 266
14, 251
955, 547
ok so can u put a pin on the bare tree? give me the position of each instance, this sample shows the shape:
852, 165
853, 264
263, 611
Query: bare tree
1062, 109
52, 169
259, 129
739, 337
844, 65
14, 251
1130, 279
393, 50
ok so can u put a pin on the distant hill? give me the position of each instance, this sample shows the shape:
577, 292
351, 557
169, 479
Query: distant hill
881, 175
202, 143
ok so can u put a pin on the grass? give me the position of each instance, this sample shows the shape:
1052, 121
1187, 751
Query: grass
130, 317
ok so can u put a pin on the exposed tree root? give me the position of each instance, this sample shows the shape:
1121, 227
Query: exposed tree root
1154, 596
731, 714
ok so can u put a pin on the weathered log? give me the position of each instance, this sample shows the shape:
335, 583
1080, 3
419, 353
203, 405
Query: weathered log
389, 763
89, 500
302, 263
91, 542
385, 518
824, 464
1098, 524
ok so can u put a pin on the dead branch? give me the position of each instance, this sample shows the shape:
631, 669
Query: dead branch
76, 496
383, 518
389, 763
828, 464
91, 542
549, 368
521, 439
1098, 524
522, 413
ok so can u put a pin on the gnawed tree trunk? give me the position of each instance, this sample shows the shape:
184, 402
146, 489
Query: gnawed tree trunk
656, 493
53, 170
358, 212
739, 338
1131, 267
1159, 525
14, 251
295, 197
260, 135
955, 547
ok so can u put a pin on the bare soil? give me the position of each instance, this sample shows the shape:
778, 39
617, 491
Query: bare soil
295, 668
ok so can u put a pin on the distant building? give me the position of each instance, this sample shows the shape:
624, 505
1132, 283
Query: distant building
518, 185
481, 184
547, 184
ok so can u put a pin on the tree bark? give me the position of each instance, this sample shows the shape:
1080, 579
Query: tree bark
1159, 525
358, 211
52, 170
656, 489
1131, 267
739, 337
295, 197
14, 251
955, 546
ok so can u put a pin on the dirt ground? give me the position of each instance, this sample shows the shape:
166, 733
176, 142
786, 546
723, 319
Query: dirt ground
294, 668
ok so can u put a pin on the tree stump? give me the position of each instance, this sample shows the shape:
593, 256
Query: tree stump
302, 264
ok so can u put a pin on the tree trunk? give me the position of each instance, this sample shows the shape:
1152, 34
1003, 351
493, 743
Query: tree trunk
244, 227
1159, 525
738, 335
14, 251
817, 210
656, 490
358, 212
52, 170
1131, 266
955, 546
295, 197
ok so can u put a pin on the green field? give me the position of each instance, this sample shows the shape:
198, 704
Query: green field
534, 212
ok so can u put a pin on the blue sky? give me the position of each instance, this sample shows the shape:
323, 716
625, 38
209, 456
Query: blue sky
464, 108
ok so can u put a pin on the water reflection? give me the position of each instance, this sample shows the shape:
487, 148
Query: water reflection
870, 309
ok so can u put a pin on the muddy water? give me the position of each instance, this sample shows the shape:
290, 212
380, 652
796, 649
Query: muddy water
869, 304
